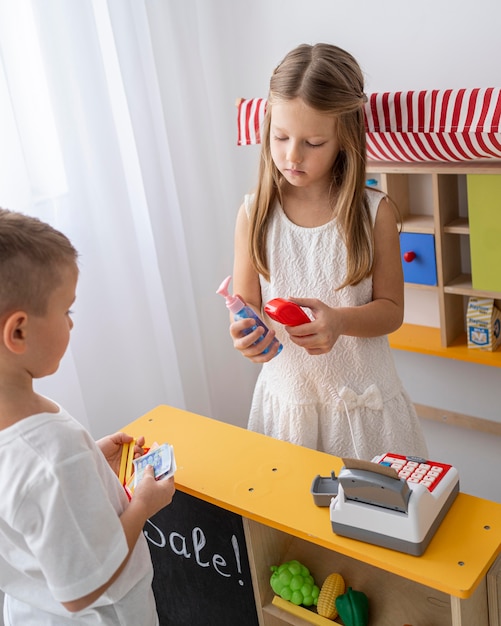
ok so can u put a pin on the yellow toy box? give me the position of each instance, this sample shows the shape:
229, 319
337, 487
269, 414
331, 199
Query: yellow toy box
483, 324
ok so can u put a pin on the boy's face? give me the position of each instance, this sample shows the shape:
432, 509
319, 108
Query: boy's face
49, 335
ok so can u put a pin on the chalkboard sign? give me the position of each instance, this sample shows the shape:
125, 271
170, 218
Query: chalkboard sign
202, 575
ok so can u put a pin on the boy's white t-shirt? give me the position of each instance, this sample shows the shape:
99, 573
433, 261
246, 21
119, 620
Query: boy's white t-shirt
60, 532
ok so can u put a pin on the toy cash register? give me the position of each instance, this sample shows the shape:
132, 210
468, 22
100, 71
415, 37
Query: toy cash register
394, 501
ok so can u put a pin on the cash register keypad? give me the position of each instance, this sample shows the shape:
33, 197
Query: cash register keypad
416, 469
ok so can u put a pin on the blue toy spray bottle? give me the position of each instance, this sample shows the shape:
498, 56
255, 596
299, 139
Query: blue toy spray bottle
241, 310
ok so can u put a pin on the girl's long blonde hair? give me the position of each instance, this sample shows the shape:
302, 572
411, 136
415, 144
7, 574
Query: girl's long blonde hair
329, 80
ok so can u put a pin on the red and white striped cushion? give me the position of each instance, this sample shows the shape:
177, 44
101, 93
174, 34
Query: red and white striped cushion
438, 125
250, 119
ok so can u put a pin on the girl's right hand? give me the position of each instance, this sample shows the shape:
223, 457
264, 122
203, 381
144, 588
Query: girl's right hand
154, 494
246, 343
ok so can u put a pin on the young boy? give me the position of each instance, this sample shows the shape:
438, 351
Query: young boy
72, 549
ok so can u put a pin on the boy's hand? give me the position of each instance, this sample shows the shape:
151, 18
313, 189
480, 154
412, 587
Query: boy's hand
153, 494
111, 447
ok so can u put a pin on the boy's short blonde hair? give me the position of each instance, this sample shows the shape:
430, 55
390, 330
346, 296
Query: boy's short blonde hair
33, 255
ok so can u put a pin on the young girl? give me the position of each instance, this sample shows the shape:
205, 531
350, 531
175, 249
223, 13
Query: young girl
312, 232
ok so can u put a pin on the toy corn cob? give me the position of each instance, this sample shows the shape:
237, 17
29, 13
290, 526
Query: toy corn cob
333, 587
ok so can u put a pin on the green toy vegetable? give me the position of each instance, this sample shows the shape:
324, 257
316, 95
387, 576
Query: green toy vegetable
353, 608
292, 581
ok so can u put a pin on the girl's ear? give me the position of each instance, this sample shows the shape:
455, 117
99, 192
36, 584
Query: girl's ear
14, 332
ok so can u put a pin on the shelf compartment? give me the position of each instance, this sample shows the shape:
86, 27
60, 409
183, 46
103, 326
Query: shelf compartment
459, 226
422, 224
403, 601
420, 286
462, 285
414, 206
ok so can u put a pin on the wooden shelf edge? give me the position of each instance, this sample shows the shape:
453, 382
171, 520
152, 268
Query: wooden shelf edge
421, 286
296, 615
459, 226
423, 224
480, 166
426, 340
462, 285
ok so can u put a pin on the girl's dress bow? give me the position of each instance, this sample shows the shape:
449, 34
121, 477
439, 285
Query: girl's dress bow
370, 399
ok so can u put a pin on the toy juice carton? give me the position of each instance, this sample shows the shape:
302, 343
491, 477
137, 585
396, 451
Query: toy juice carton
483, 324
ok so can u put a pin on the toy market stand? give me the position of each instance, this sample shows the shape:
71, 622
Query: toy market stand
267, 482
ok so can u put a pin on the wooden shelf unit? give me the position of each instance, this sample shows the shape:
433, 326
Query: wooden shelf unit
439, 212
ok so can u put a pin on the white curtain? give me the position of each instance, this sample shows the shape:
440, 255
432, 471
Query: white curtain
107, 132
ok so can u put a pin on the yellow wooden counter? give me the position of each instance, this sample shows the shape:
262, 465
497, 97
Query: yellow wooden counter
268, 482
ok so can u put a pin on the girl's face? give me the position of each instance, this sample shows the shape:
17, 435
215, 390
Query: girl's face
303, 143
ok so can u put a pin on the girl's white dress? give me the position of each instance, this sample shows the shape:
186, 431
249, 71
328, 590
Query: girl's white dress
349, 402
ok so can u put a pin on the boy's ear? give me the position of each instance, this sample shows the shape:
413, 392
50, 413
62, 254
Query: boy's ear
14, 332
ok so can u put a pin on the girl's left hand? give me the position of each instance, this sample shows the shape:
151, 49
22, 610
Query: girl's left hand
320, 335
111, 447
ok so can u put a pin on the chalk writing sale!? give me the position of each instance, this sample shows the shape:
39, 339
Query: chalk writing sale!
195, 547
